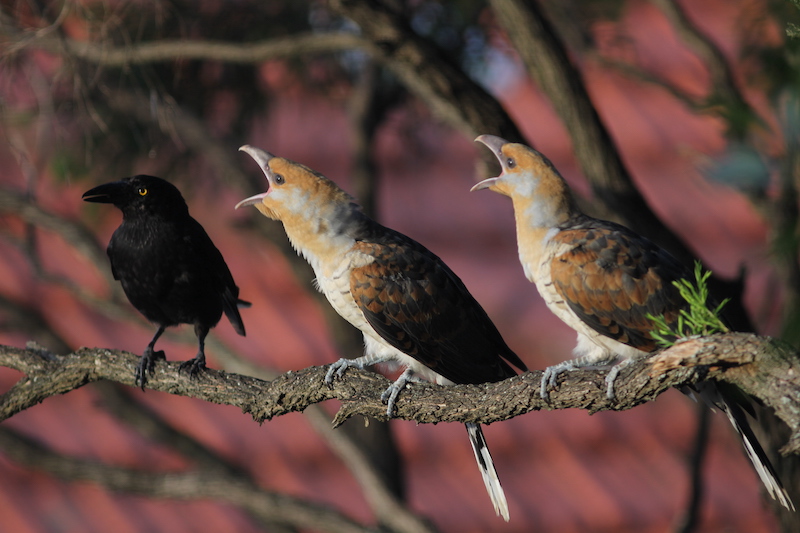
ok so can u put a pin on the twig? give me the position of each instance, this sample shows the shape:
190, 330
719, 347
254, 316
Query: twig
723, 81
171, 50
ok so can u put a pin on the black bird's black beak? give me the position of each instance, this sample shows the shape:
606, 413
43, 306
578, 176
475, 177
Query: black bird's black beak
102, 194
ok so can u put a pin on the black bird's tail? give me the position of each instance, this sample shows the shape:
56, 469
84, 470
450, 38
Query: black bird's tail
711, 393
230, 306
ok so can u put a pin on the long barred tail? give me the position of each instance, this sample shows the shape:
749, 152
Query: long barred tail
710, 392
488, 472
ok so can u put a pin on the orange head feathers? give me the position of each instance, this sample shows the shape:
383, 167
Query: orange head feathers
531, 181
320, 219
294, 189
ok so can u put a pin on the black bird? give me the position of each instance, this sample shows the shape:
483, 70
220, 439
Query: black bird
169, 269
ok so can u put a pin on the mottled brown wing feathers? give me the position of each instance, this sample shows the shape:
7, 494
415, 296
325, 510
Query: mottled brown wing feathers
612, 278
419, 306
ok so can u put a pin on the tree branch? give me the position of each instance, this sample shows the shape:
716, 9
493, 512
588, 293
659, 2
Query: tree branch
723, 80
421, 65
762, 367
16, 203
427, 71
109, 55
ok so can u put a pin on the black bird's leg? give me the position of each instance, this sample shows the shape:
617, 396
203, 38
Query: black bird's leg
148, 361
193, 366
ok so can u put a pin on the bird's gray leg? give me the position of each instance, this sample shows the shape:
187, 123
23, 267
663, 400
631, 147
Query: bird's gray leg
390, 394
613, 372
340, 366
193, 366
551, 373
149, 357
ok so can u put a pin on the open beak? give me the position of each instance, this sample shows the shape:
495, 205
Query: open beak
262, 158
495, 144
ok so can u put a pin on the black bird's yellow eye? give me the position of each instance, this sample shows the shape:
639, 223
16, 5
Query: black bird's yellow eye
279, 180
510, 163
142, 191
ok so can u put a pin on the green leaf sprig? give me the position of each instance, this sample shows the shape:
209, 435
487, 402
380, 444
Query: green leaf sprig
697, 319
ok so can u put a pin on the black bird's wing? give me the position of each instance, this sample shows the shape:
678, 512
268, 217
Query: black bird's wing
203, 250
419, 306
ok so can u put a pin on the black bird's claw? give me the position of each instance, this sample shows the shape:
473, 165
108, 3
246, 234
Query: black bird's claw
147, 365
193, 366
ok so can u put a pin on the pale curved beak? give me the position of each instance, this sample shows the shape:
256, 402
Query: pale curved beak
492, 142
495, 144
262, 158
485, 184
253, 200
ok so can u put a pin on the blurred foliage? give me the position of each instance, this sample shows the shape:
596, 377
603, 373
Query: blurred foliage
95, 104
108, 119
792, 29
741, 166
98, 131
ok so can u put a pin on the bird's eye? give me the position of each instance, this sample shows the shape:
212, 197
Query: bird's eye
510, 163
142, 191
279, 179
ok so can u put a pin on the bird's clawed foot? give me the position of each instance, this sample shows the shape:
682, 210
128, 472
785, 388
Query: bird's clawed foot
551, 373
193, 366
340, 366
147, 365
613, 372
550, 377
389, 396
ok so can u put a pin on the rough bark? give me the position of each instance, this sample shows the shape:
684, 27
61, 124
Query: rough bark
762, 367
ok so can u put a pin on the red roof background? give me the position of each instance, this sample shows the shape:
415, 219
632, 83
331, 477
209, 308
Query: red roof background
563, 471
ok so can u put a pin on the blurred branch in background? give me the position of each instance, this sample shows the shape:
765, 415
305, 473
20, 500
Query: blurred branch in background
274, 511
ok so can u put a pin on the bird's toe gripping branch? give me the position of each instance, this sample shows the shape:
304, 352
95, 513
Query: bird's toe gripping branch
340, 367
613, 372
147, 365
550, 377
193, 366
551, 373
389, 396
